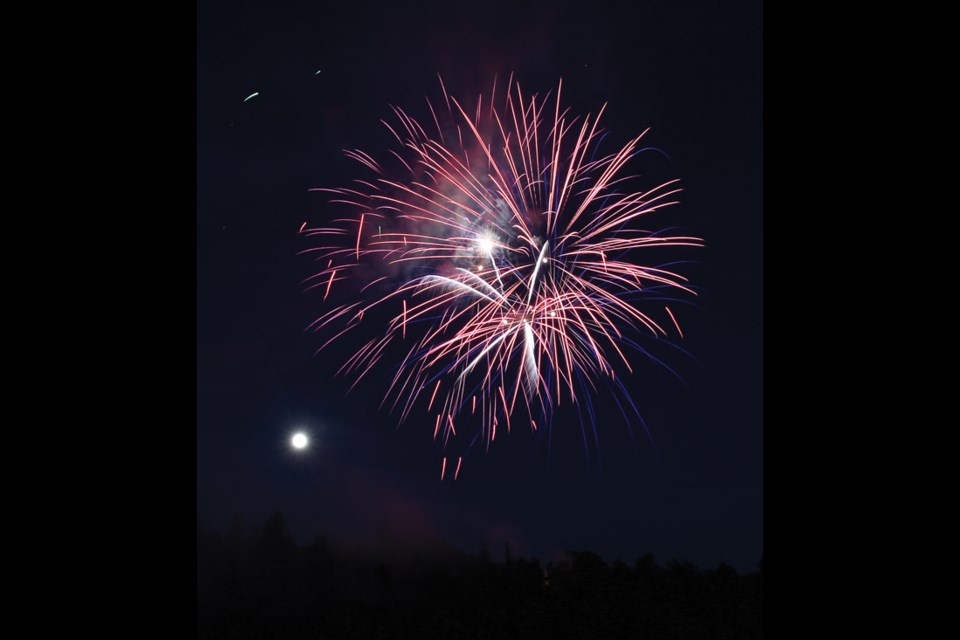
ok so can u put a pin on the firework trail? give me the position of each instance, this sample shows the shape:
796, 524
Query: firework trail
506, 255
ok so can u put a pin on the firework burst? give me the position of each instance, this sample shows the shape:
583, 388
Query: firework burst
507, 257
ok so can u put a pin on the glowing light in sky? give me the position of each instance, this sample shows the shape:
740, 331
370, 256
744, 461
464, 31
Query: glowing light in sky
299, 441
507, 261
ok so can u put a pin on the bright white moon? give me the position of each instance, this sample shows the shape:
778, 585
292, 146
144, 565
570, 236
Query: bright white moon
299, 441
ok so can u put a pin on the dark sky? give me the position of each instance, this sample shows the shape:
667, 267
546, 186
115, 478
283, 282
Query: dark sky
692, 71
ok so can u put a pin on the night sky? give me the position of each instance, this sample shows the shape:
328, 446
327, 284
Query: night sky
691, 71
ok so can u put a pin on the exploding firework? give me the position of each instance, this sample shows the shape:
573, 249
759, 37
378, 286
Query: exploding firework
506, 260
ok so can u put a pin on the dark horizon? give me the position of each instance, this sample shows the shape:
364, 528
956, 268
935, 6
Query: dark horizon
690, 71
261, 583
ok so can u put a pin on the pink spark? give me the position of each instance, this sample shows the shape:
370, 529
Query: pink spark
359, 231
330, 282
674, 321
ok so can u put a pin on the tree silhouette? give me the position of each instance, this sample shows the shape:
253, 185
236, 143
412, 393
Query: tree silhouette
264, 586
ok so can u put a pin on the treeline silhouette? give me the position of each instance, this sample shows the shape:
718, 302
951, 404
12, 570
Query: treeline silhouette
262, 585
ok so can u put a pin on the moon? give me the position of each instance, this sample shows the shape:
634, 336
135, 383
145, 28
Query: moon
299, 441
